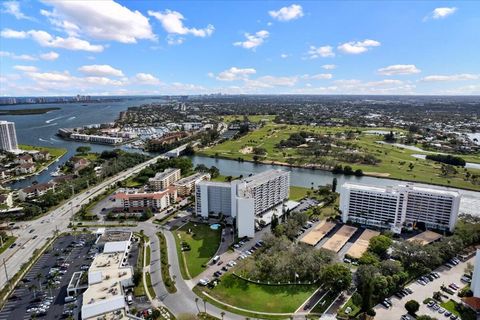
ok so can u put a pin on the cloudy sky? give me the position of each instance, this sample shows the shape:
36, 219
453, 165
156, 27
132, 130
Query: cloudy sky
195, 47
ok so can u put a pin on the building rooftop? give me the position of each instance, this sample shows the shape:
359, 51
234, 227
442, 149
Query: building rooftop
191, 178
111, 236
164, 174
215, 183
263, 177
401, 187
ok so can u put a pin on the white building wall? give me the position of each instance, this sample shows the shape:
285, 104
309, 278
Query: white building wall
475, 285
245, 217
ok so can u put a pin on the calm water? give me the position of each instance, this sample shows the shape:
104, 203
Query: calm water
41, 129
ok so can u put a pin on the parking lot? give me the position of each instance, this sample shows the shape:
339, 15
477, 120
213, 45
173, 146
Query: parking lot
422, 292
41, 293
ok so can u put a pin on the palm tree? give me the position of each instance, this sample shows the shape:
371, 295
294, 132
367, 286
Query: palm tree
205, 305
34, 289
39, 277
196, 303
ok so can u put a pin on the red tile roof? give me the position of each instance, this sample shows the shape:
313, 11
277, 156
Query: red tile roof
472, 302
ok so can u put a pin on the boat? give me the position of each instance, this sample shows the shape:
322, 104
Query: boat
56, 173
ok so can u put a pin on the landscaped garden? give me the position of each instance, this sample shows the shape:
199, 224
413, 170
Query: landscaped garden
202, 242
261, 298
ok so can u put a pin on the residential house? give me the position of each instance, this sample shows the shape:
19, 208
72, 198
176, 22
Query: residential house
35, 191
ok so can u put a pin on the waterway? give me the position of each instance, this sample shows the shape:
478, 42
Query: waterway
41, 129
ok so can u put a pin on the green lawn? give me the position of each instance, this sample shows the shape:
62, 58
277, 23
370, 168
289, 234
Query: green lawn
54, 152
203, 242
148, 281
298, 193
394, 163
355, 309
147, 256
167, 279
261, 298
252, 118
7, 242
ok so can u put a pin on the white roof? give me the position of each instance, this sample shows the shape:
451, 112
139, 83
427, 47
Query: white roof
100, 231
104, 306
94, 277
116, 246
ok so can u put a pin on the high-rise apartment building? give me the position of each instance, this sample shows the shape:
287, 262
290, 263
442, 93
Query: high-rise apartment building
8, 136
243, 199
165, 179
395, 207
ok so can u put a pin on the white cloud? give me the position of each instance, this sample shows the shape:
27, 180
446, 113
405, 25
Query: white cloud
440, 13
49, 56
292, 12
271, 82
100, 70
172, 22
146, 78
284, 56
26, 68
235, 73
70, 43
357, 47
399, 69
13, 8
103, 20
323, 52
329, 66
253, 40
12, 55
452, 77
318, 76
13, 34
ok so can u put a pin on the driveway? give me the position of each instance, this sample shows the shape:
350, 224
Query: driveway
421, 293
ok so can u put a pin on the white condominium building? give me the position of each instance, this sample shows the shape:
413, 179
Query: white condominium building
394, 207
8, 136
243, 199
186, 186
475, 285
96, 138
163, 180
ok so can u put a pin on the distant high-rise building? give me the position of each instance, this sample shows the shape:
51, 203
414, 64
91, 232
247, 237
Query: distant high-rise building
8, 136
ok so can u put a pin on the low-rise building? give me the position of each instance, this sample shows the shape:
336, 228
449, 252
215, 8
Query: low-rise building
108, 278
41, 155
25, 168
165, 179
96, 138
23, 159
186, 186
35, 191
138, 202
6, 199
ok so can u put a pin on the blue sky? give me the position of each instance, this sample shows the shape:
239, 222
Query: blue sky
197, 47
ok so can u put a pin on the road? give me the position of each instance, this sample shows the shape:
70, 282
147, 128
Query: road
57, 219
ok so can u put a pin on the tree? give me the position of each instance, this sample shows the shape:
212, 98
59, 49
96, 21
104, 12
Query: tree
214, 171
334, 184
412, 307
369, 258
83, 149
379, 245
425, 317
365, 281
390, 137
337, 277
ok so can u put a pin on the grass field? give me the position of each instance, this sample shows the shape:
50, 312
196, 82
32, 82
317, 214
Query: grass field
394, 163
261, 298
203, 242
148, 282
54, 152
7, 242
298, 193
354, 309
252, 118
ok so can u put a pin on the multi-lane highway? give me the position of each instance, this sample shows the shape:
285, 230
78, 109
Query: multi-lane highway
58, 219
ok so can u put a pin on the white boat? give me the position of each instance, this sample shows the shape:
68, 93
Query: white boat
56, 173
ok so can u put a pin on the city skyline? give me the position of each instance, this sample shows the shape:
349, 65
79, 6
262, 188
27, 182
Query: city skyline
149, 48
